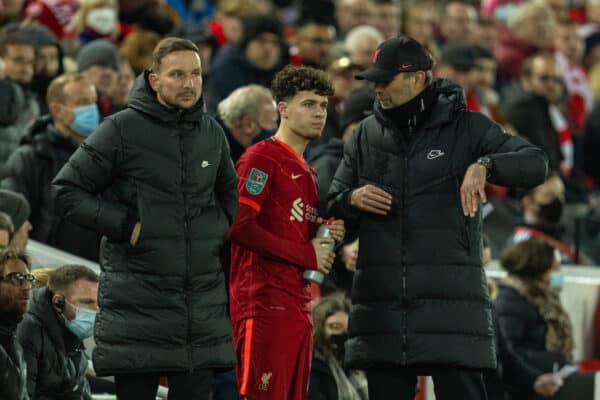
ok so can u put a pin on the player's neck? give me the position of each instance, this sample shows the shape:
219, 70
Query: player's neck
296, 142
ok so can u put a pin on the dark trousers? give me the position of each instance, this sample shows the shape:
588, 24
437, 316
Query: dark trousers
182, 386
401, 384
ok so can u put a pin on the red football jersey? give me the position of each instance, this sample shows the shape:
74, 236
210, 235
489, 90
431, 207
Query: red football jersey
271, 235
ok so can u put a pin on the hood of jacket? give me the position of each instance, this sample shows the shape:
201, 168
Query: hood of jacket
450, 99
143, 99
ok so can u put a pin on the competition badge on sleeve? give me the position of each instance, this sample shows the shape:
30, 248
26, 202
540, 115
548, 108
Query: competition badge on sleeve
256, 181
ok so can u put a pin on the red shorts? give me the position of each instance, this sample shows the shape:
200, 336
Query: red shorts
274, 355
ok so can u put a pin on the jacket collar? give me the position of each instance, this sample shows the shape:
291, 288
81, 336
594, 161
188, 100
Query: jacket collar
143, 99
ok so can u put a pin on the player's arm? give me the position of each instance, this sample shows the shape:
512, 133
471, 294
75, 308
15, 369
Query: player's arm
256, 173
246, 232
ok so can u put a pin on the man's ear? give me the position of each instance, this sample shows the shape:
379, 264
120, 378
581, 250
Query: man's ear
282, 108
54, 108
153, 80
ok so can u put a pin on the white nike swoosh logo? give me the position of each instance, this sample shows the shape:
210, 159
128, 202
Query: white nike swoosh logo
205, 164
435, 154
296, 176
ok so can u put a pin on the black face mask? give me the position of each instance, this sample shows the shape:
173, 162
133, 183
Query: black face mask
338, 345
552, 211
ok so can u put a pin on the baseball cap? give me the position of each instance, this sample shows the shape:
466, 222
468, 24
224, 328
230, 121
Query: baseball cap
401, 54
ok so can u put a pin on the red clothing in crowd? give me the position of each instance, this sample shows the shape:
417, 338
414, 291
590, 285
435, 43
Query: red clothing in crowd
54, 14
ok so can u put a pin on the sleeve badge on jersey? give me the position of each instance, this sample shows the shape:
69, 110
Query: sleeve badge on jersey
256, 181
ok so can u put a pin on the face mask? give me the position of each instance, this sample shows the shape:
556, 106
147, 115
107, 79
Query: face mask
103, 20
83, 324
338, 341
557, 280
552, 211
86, 119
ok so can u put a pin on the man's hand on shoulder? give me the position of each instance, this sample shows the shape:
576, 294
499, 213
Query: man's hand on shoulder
371, 199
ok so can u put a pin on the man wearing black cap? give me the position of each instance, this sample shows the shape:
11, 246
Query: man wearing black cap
255, 59
413, 177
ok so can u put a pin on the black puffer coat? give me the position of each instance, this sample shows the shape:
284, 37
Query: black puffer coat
162, 302
13, 370
419, 293
56, 360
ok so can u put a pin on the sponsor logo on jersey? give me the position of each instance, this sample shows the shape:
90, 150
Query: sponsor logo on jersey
297, 211
300, 211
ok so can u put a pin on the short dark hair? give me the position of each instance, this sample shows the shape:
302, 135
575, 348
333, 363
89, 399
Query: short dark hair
13, 39
168, 46
10, 254
291, 80
530, 258
60, 280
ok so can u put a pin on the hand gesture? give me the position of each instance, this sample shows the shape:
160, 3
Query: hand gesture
325, 257
371, 199
547, 384
473, 188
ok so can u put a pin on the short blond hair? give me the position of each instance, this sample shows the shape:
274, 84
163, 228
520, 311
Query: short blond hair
56, 90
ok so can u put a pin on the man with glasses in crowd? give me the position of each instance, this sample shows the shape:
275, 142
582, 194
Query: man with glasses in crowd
15, 289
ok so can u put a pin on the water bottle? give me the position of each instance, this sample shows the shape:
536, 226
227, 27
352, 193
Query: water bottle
314, 275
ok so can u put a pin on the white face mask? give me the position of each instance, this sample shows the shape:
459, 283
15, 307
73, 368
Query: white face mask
103, 20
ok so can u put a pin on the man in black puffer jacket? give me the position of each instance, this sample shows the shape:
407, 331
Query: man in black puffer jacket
157, 181
52, 334
413, 178
43, 152
15, 291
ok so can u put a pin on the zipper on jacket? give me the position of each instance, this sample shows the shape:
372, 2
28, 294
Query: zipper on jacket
404, 272
187, 248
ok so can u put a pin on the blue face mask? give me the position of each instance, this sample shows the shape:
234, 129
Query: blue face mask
87, 119
557, 280
83, 324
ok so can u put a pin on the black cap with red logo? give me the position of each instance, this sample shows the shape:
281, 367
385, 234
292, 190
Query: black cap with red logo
401, 54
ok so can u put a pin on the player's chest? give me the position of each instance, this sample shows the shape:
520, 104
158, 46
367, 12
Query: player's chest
296, 188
